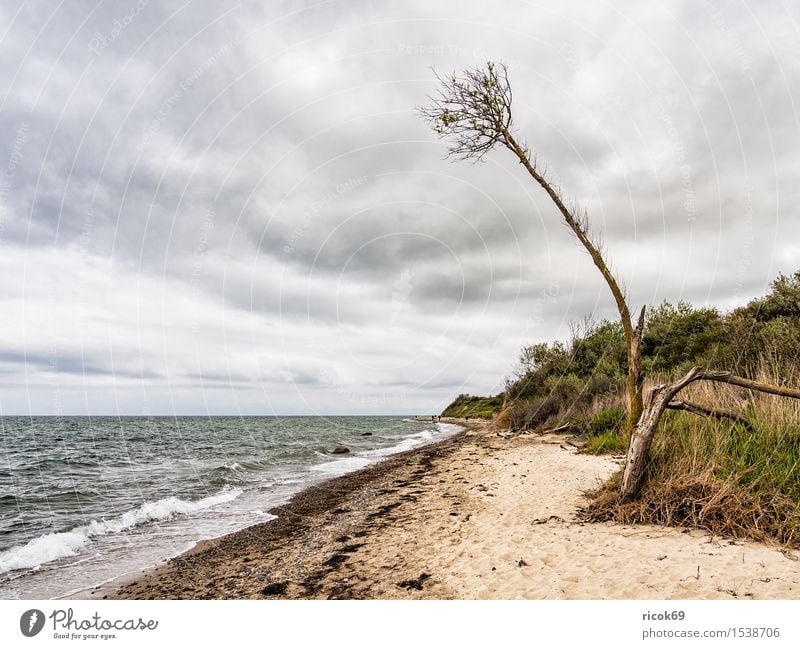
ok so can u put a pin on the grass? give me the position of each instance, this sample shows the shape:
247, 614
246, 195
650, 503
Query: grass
605, 432
612, 420
718, 476
607, 442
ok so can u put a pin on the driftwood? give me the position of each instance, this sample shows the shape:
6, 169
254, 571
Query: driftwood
703, 411
563, 428
661, 397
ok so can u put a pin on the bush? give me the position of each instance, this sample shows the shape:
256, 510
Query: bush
764, 335
532, 413
783, 300
680, 336
554, 382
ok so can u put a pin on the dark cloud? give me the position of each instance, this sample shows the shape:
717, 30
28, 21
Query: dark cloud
61, 363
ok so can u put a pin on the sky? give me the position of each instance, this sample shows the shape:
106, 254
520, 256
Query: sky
221, 208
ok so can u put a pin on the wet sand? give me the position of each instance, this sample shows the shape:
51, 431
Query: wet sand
471, 517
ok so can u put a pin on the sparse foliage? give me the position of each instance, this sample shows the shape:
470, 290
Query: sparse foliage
473, 110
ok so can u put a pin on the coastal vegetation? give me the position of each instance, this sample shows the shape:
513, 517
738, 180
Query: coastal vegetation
737, 474
465, 405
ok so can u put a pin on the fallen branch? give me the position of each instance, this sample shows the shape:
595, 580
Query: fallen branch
703, 411
563, 428
750, 384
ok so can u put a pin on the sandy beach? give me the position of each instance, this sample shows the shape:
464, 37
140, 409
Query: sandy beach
475, 516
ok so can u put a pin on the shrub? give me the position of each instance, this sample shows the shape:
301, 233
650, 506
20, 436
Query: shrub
680, 336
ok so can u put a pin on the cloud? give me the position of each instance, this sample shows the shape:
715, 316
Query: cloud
210, 208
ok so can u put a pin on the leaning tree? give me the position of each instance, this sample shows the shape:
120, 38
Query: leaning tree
473, 111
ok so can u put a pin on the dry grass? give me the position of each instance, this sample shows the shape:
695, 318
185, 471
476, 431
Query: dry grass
705, 502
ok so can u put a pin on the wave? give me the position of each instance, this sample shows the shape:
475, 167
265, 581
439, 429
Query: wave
240, 467
406, 444
57, 545
449, 429
340, 467
233, 474
355, 462
233, 467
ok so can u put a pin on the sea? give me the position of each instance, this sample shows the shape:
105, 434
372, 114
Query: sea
87, 500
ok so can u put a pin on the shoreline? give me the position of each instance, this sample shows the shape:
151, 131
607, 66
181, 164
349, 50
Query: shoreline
310, 505
473, 516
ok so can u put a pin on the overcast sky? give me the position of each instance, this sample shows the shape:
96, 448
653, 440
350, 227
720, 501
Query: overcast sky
210, 207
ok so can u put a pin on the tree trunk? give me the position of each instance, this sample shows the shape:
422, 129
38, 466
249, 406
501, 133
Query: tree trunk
635, 375
658, 400
633, 335
642, 436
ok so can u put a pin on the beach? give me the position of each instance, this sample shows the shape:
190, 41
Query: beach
475, 516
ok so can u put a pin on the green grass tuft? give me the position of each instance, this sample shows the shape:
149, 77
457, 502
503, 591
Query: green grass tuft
607, 442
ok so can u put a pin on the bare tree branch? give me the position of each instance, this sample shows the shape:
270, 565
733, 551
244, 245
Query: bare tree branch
750, 384
703, 411
472, 110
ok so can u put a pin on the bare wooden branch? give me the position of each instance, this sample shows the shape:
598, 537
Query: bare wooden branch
635, 373
703, 411
750, 384
471, 110
563, 428
642, 436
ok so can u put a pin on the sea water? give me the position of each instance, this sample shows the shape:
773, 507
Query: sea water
87, 500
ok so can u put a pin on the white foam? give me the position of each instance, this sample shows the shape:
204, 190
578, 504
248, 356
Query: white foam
58, 545
346, 465
340, 467
41, 550
406, 444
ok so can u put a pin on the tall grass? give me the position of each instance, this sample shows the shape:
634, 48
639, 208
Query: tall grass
717, 475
